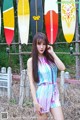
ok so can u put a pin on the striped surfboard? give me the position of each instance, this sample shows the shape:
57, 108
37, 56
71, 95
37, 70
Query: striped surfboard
51, 19
23, 20
8, 20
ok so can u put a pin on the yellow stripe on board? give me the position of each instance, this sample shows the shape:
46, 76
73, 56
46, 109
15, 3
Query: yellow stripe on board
69, 37
8, 18
23, 7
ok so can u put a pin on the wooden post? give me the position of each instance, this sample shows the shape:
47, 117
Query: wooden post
22, 81
3, 70
25, 83
62, 87
24, 87
77, 46
27, 87
20, 58
9, 72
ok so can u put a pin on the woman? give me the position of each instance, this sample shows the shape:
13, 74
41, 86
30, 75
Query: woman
42, 70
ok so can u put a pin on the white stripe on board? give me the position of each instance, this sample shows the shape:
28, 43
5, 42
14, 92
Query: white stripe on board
7, 9
9, 28
51, 20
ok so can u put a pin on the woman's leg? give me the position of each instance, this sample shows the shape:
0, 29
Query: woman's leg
57, 113
42, 117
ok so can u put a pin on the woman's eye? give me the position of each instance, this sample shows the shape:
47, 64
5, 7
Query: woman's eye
38, 43
44, 44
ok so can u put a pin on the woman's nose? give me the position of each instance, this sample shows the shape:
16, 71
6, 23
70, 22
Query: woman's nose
41, 46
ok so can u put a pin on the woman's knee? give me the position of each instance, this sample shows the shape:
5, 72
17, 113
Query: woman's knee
57, 113
42, 117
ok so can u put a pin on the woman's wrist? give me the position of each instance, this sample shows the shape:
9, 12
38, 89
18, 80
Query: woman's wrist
35, 102
53, 54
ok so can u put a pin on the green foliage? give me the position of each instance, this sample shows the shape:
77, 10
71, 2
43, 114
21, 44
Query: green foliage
12, 101
3, 59
27, 103
13, 60
67, 57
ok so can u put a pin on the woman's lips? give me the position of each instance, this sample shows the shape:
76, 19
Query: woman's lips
41, 50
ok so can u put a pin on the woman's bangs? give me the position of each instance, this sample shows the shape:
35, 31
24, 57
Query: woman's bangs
39, 41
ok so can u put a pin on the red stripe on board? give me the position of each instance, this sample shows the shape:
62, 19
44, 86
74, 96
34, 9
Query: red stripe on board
9, 34
47, 19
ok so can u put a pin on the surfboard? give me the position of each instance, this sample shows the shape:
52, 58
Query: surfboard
51, 19
36, 16
68, 18
79, 12
23, 20
8, 20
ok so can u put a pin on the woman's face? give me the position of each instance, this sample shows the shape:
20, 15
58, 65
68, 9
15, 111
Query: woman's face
41, 46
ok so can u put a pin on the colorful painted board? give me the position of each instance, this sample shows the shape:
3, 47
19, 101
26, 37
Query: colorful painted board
36, 16
79, 12
51, 19
23, 20
8, 20
68, 17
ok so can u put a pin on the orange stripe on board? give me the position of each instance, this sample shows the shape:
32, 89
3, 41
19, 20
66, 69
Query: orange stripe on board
9, 18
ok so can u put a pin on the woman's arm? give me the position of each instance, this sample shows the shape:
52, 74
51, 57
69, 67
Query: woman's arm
32, 85
37, 106
57, 61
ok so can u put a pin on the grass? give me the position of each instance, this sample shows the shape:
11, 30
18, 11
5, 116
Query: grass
12, 101
28, 103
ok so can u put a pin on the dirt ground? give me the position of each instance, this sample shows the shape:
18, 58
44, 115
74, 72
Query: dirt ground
71, 106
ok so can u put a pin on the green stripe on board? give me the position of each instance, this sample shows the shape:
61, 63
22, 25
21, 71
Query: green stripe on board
7, 4
67, 2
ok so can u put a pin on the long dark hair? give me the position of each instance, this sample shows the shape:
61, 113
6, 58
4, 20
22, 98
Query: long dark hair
48, 56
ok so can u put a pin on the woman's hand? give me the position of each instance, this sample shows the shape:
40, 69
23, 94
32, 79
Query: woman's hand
50, 49
38, 108
57, 61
